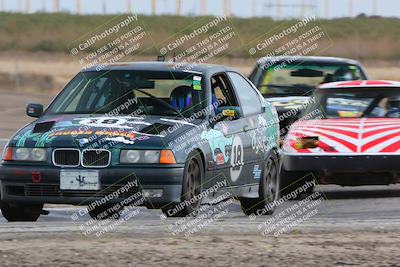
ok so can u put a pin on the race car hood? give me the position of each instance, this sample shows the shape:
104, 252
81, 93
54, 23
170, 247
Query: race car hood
95, 132
344, 136
284, 104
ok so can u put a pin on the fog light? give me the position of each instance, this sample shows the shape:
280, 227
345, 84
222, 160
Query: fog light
152, 192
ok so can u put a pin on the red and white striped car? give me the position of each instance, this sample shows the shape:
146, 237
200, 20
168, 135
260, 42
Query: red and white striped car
349, 135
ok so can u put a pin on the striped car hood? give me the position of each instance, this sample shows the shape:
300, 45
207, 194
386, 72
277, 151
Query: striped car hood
347, 136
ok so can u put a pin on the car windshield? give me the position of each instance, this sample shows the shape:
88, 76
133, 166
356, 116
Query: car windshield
300, 79
131, 92
349, 103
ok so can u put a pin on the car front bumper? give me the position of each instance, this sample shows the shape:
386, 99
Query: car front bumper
17, 185
350, 170
362, 163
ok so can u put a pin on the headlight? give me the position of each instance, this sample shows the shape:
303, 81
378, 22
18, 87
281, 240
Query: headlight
28, 154
21, 154
144, 156
130, 156
306, 142
152, 156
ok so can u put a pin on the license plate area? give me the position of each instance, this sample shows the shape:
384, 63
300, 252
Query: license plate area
79, 180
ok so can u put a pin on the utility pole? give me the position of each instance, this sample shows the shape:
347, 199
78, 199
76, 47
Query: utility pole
78, 7
1, 5
203, 7
44, 9
302, 8
27, 6
375, 7
153, 7
104, 7
178, 6
129, 6
327, 8
227, 8
278, 9
56, 6
351, 8
19, 7
254, 8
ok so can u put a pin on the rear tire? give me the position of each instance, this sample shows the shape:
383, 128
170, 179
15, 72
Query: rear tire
21, 213
192, 187
268, 191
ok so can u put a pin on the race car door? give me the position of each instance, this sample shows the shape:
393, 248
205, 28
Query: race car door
228, 139
253, 123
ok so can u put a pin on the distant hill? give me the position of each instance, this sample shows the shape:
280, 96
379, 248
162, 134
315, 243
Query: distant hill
362, 38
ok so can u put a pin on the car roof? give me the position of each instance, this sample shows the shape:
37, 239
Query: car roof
308, 59
360, 84
163, 66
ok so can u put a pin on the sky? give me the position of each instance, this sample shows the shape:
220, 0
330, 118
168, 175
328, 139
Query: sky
240, 8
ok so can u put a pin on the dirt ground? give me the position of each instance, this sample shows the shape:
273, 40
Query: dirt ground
296, 249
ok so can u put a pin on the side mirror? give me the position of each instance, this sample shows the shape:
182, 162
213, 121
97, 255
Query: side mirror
34, 110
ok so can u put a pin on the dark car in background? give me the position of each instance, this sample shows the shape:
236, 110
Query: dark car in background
289, 81
171, 134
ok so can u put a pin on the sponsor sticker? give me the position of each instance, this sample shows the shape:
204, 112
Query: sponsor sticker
257, 172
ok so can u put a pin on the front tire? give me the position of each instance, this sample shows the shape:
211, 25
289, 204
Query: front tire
268, 191
191, 188
21, 213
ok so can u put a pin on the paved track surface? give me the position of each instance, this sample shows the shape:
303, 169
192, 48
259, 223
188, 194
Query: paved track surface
370, 207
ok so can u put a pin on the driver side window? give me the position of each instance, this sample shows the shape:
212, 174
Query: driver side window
249, 99
222, 92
